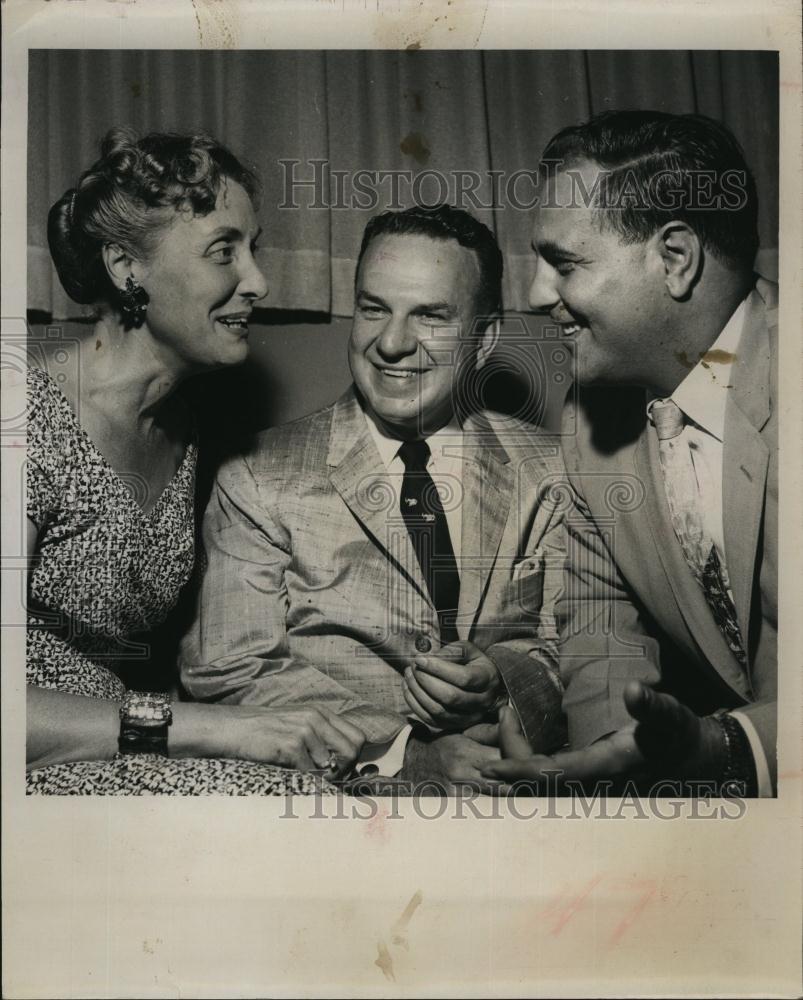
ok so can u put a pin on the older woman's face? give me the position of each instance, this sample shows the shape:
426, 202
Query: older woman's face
202, 282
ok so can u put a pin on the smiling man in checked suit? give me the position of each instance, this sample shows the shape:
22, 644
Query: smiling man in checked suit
645, 242
394, 557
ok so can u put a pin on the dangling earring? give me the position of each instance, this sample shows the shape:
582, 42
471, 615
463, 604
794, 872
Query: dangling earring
134, 302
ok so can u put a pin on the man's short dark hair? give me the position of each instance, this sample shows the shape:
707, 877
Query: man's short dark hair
658, 167
443, 222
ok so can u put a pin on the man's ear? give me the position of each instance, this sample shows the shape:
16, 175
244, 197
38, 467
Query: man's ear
488, 340
120, 265
682, 256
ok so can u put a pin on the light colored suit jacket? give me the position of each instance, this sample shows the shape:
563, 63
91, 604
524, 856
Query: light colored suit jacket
632, 608
312, 593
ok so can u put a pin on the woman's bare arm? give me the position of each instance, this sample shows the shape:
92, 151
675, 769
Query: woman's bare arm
63, 728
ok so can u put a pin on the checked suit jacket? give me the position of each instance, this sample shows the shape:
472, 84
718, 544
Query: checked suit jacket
631, 607
312, 593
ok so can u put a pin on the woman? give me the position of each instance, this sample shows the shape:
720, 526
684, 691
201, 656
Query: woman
159, 236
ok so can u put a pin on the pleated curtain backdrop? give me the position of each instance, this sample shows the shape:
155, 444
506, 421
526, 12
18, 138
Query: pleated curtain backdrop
329, 115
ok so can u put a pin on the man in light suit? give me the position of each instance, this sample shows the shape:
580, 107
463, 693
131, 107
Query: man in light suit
395, 556
645, 241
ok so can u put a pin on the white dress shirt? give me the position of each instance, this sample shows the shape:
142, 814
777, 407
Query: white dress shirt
445, 465
703, 397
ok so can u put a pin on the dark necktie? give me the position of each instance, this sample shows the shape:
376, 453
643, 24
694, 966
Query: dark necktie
680, 483
426, 522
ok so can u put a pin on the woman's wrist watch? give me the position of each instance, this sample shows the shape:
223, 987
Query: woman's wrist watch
144, 720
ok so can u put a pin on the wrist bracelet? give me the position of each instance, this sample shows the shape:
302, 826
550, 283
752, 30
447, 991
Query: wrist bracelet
144, 721
738, 779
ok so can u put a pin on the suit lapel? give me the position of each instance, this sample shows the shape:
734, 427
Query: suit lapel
488, 481
360, 477
687, 592
745, 461
745, 454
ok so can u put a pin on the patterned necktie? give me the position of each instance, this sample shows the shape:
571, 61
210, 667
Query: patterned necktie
423, 514
680, 483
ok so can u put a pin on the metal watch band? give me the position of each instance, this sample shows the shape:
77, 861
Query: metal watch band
739, 778
145, 718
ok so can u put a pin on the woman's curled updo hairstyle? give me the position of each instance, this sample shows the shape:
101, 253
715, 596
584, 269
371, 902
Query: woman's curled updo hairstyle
128, 196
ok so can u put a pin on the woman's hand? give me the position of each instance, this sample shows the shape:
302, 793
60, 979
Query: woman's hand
303, 738
299, 737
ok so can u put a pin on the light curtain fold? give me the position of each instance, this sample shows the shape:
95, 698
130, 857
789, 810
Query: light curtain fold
427, 118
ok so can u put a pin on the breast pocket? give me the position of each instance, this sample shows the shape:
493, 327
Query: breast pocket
527, 583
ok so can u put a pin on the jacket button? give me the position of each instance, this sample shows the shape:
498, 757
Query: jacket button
423, 643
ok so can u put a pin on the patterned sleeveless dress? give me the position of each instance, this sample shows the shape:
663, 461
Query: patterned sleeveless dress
106, 570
